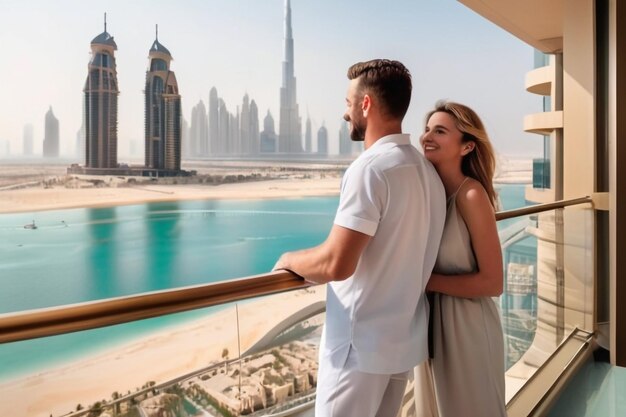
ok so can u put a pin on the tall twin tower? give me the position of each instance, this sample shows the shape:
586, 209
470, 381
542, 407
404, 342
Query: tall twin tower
163, 113
162, 108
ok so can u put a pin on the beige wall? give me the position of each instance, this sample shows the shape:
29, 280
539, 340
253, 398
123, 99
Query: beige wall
578, 160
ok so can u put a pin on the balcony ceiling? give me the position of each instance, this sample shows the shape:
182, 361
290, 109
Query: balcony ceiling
536, 22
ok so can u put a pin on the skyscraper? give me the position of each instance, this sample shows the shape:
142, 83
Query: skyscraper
290, 132
51, 138
244, 123
248, 128
184, 140
29, 139
163, 111
322, 141
254, 128
80, 141
199, 130
214, 131
223, 132
100, 105
345, 143
308, 136
268, 135
234, 147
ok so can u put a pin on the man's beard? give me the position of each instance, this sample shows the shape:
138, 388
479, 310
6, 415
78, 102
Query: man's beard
357, 133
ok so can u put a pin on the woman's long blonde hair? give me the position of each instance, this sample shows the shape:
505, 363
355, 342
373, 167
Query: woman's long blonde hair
480, 163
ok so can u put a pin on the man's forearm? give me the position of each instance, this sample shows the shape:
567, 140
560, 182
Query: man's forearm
308, 263
334, 260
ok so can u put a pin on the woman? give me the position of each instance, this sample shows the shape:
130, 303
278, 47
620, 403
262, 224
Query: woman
467, 341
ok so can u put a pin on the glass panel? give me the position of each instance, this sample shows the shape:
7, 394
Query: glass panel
278, 370
541, 173
540, 59
184, 364
519, 299
158, 65
189, 363
94, 76
548, 288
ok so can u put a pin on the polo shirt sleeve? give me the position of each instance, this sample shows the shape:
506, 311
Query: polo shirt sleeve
362, 200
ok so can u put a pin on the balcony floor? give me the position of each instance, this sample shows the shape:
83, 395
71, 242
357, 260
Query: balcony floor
598, 389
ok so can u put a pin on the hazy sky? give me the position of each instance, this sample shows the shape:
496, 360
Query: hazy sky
237, 46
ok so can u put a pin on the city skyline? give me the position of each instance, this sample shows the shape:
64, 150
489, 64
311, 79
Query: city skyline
237, 47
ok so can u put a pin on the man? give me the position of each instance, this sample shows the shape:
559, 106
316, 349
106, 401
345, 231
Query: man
378, 256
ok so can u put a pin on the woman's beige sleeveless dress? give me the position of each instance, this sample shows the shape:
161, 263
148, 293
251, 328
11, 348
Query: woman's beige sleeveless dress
468, 348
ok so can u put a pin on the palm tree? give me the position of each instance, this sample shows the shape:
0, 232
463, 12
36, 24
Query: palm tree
225, 356
116, 406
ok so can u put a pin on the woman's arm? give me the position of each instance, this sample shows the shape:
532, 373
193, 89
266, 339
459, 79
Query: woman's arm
477, 212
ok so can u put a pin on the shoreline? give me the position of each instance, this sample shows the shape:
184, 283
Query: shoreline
27, 200
36, 199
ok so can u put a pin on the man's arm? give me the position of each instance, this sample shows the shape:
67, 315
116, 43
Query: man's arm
334, 260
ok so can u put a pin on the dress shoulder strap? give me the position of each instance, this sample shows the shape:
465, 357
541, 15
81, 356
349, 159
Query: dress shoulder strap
453, 195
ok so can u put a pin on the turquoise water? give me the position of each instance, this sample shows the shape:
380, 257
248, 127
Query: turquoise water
89, 254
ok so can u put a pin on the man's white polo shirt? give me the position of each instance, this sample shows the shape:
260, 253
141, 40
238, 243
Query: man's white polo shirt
392, 193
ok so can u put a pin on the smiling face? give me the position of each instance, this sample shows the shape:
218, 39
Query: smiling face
354, 112
442, 141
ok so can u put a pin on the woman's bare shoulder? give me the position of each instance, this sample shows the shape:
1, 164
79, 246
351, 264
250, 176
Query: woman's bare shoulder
472, 199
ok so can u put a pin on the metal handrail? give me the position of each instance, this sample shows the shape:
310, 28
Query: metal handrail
51, 321
90, 315
538, 208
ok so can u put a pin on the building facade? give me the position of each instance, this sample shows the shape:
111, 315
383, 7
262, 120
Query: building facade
163, 119
322, 141
268, 135
214, 134
51, 138
290, 131
254, 129
100, 104
308, 136
347, 147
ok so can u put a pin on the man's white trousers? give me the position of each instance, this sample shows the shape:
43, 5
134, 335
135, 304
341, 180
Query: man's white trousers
344, 391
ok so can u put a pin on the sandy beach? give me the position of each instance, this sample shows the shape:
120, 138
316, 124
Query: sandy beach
58, 197
159, 357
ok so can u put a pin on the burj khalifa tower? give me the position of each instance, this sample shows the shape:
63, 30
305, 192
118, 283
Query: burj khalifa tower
290, 131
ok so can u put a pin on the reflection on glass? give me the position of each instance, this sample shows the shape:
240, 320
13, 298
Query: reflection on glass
519, 298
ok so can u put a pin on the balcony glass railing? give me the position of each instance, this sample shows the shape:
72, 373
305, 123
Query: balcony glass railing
541, 173
251, 353
518, 301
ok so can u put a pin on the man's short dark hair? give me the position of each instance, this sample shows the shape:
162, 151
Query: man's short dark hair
386, 80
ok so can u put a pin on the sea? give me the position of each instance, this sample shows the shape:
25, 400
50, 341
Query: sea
86, 254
